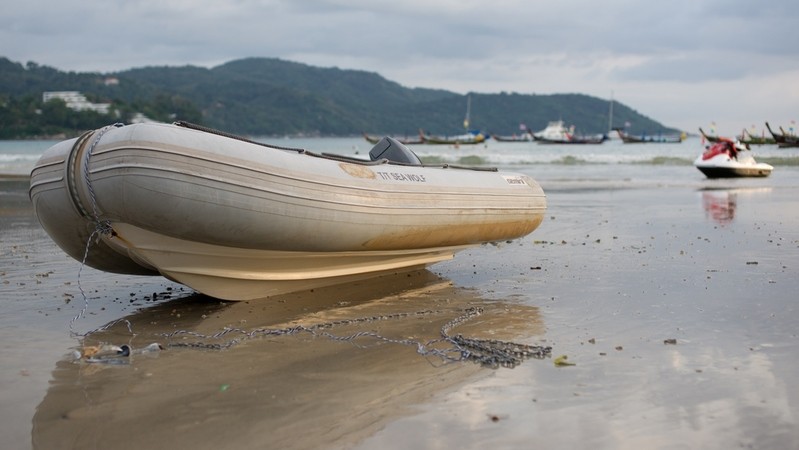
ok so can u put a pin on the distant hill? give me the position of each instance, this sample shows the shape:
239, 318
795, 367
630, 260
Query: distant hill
268, 96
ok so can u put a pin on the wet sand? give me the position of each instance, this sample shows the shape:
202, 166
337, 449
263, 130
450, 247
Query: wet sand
676, 303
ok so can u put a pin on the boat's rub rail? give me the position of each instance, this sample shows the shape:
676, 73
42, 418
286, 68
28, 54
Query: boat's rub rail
342, 158
72, 173
194, 126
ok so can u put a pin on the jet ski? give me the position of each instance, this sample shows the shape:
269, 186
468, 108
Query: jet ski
730, 159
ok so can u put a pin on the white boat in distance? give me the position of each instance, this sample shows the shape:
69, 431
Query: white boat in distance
554, 132
239, 220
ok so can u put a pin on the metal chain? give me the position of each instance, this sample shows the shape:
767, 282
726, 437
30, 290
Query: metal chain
315, 329
490, 352
487, 352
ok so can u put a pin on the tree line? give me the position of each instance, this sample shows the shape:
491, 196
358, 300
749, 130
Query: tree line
269, 96
28, 117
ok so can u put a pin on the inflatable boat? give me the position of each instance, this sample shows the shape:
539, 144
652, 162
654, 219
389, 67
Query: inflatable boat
237, 219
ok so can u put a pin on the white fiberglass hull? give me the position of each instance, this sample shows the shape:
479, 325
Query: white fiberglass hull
232, 273
238, 220
723, 166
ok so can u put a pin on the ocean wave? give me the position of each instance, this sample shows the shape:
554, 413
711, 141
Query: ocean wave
18, 157
777, 161
569, 160
666, 161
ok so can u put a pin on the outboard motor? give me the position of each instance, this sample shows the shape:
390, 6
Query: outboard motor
392, 150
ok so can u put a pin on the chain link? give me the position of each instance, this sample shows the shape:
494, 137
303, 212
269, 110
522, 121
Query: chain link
487, 352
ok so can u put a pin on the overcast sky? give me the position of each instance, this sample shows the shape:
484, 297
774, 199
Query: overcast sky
685, 63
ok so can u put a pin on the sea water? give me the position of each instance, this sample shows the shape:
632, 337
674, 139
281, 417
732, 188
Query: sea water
18, 157
611, 161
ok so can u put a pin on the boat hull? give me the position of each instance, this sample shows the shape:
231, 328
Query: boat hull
232, 273
520, 138
554, 132
239, 220
734, 172
723, 166
573, 141
466, 140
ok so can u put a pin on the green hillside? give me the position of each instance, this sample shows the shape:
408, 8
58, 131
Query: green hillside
268, 96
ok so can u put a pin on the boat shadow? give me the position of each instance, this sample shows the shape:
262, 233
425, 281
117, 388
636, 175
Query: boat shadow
224, 380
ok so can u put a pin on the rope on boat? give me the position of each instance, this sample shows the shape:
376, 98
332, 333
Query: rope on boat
101, 227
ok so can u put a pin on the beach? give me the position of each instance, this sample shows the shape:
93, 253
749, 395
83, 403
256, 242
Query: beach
671, 296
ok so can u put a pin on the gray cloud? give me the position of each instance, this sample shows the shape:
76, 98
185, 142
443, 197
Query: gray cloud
669, 48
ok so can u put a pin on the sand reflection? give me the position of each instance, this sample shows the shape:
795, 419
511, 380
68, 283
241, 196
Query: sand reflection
278, 391
721, 204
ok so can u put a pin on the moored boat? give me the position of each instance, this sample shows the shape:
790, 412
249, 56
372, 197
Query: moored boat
554, 132
470, 137
557, 133
730, 159
745, 137
782, 138
460, 139
237, 219
523, 137
750, 139
708, 137
572, 139
644, 138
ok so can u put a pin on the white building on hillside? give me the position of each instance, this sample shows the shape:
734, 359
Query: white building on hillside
76, 101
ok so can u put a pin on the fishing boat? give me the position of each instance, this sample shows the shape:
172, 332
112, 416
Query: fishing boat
745, 137
782, 138
557, 133
730, 159
469, 138
554, 132
750, 139
573, 139
708, 137
523, 137
644, 138
237, 219
407, 140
